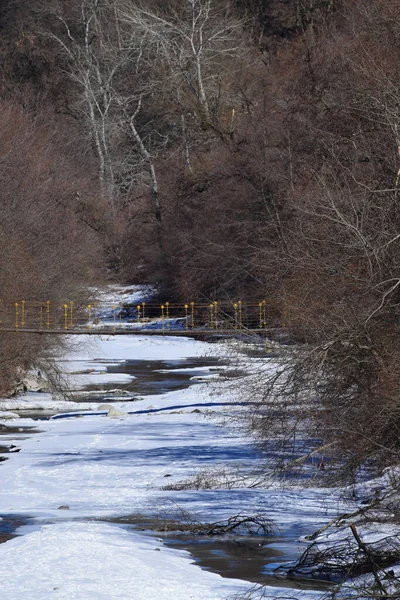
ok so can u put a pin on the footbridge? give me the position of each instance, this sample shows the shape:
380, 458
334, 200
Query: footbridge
195, 319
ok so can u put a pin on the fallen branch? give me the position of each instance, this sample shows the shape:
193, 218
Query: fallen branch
369, 554
338, 520
250, 524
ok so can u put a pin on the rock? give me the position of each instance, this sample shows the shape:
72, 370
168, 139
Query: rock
113, 413
63, 507
106, 407
19, 388
5, 415
33, 383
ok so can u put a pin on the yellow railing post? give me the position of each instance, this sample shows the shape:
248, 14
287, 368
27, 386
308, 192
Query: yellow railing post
167, 309
192, 306
240, 314
187, 316
71, 312
235, 306
16, 315
211, 307
23, 313
65, 316
162, 317
216, 314
114, 316
89, 306
143, 305
48, 313
138, 313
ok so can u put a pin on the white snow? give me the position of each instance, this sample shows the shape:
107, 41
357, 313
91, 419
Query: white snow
78, 380
116, 295
140, 347
97, 561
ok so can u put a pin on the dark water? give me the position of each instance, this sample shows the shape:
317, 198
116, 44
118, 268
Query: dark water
253, 559
150, 377
9, 524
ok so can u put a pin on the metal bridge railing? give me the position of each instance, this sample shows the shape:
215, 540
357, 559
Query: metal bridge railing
31, 315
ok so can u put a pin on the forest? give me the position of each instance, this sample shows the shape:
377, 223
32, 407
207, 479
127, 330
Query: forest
217, 149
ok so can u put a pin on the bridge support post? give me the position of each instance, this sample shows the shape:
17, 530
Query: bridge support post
65, 316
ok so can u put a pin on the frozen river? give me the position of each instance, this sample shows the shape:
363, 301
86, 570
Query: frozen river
87, 486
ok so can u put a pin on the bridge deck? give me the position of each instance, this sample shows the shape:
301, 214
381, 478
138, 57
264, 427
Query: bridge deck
144, 331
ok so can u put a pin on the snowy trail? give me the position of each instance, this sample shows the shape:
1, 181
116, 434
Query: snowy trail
100, 468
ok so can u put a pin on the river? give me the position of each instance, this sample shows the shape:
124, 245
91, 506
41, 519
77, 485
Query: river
173, 432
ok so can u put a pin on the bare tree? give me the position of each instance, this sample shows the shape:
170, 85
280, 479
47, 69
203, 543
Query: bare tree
111, 67
47, 252
200, 43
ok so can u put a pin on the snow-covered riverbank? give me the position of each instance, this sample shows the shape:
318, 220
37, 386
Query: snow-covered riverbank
79, 471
